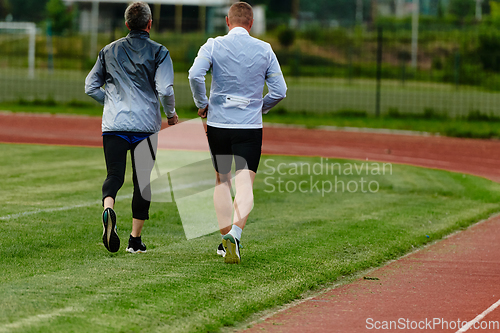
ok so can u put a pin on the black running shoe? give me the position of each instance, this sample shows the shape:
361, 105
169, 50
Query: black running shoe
221, 251
135, 245
109, 236
232, 246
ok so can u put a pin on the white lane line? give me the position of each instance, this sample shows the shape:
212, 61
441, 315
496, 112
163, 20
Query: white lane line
47, 210
35, 319
96, 202
58, 209
478, 318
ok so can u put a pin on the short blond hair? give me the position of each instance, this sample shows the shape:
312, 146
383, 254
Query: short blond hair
240, 13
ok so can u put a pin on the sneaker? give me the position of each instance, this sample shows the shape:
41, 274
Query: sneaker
135, 245
221, 251
109, 236
232, 247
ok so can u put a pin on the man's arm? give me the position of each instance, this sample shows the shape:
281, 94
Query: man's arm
275, 84
95, 81
197, 73
164, 80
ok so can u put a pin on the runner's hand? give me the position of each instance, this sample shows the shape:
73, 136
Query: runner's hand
174, 120
203, 112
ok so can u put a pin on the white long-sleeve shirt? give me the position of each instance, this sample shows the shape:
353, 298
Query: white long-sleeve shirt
241, 65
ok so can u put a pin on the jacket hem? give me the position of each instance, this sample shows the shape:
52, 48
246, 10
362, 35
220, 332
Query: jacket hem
235, 126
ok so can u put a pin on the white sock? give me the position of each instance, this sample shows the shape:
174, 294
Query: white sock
236, 232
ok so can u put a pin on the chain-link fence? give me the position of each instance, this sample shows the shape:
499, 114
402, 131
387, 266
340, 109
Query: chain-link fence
327, 70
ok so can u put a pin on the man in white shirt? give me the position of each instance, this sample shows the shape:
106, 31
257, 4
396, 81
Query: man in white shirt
241, 65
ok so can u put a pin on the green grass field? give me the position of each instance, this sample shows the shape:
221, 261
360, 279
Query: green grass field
304, 94
57, 276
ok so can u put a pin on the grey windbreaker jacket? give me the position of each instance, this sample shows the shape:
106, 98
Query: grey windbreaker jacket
137, 74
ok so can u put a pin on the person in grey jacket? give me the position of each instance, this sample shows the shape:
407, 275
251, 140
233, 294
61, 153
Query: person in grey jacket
137, 76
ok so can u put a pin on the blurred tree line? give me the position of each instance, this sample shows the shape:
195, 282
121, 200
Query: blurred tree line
56, 12
276, 8
341, 10
4, 9
26, 10
453, 45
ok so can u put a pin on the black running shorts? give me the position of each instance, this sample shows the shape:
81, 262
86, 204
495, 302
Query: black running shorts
244, 144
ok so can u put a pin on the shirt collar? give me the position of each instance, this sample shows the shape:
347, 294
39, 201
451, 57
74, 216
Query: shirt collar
238, 31
138, 33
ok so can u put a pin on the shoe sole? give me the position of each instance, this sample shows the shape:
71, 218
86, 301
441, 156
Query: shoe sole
110, 238
232, 252
131, 250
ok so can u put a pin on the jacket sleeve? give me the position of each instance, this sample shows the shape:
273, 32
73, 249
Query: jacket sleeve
275, 83
95, 81
164, 81
197, 73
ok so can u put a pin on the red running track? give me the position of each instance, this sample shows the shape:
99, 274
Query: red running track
451, 281
478, 157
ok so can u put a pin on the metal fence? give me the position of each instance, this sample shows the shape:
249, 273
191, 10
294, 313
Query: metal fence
326, 71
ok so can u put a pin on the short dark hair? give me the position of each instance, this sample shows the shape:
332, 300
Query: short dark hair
240, 13
138, 15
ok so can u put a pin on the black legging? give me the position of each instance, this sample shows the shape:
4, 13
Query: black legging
115, 153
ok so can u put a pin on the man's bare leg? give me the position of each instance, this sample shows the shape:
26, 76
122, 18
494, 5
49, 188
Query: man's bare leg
137, 227
243, 201
242, 206
223, 202
109, 202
